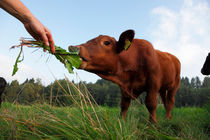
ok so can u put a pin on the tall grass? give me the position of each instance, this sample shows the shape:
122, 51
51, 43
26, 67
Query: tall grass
86, 120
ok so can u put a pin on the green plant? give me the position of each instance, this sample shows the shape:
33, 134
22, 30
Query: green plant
69, 59
84, 119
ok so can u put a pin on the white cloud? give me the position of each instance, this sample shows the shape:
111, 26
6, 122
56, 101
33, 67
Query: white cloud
185, 33
168, 22
26, 71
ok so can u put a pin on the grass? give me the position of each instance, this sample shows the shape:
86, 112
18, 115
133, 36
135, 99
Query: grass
46, 122
86, 120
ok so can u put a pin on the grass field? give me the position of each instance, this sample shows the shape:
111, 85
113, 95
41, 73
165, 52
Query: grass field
46, 122
84, 119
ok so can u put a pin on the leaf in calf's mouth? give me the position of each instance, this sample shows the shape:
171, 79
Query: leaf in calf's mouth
70, 59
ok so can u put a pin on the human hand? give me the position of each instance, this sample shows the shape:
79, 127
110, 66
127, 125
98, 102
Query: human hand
31, 23
39, 32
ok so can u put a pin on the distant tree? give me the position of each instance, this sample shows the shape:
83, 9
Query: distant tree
31, 81
39, 90
192, 92
186, 93
197, 82
185, 81
58, 93
105, 92
27, 93
11, 91
193, 83
206, 82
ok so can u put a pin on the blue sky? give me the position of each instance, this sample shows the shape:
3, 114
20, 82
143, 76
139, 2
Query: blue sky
180, 27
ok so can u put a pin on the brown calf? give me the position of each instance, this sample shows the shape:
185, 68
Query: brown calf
137, 69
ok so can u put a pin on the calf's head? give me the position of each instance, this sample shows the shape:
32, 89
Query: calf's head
206, 66
100, 54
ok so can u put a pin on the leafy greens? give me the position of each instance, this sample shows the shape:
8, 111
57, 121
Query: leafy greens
69, 59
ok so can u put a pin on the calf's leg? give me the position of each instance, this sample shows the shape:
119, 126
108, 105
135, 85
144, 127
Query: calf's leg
125, 103
151, 104
163, 95
170, 102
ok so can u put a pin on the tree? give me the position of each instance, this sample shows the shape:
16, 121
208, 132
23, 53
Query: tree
193, 83
105, 92
197, 82
192, 92
27, 93
12, 91
206, 82
185, 81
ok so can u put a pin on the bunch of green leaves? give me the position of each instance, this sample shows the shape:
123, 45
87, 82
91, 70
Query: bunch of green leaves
70, 59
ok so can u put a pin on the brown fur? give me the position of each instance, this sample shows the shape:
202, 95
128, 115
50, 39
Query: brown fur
140, 68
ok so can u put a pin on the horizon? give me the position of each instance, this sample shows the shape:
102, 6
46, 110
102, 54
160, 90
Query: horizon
76, 82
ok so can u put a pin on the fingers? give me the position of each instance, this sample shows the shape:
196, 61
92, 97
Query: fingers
51, 41
48, 39
39, 32
44, 38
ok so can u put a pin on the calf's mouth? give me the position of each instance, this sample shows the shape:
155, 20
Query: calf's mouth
83, 58
84, 63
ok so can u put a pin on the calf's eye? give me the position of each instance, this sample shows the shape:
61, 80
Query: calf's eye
106, 42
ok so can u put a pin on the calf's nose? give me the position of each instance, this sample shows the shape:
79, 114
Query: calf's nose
74, 48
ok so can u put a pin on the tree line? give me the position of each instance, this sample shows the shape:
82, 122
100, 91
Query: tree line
192, 92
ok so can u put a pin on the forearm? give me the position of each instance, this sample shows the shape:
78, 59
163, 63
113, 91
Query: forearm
37, 30
17, 9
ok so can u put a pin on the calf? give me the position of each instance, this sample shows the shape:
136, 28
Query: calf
136, 67
206, 66
2, 87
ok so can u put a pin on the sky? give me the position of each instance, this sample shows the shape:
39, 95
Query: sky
180, 27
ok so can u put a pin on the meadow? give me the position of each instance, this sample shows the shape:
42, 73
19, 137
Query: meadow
84, 119
47, 122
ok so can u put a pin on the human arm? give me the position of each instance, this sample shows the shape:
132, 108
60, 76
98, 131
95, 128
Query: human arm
30, 22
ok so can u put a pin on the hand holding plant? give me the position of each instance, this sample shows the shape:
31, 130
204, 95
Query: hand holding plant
69, 59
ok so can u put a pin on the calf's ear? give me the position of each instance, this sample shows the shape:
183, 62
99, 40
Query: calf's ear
125, 40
